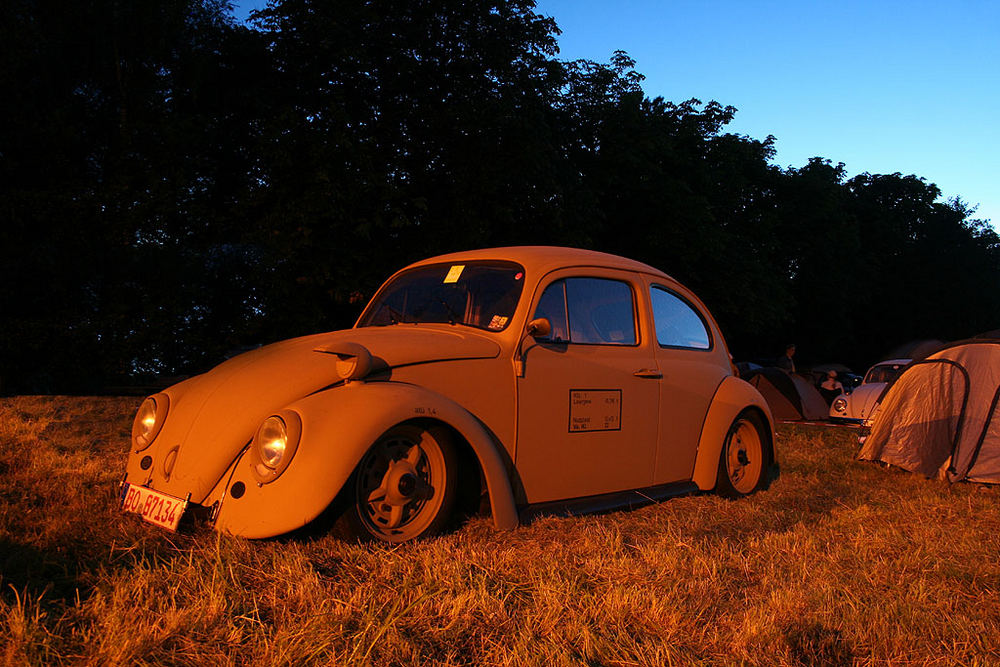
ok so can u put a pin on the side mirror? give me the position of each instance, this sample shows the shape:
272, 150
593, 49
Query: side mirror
540, 328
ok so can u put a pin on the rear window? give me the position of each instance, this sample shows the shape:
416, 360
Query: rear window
677, 323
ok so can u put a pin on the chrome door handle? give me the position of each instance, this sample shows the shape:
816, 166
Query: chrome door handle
648, 373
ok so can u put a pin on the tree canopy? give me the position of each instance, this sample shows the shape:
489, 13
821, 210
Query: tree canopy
176, 185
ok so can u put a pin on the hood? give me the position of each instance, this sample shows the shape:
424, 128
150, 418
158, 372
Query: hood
864, 399
213, 416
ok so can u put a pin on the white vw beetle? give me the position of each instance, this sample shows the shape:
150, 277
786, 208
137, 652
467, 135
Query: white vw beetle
858, 406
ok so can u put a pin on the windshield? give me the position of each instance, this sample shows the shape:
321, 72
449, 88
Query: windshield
477, 294
885, 373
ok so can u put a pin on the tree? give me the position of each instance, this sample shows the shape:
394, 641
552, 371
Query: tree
402, 129
118, 153
176, 186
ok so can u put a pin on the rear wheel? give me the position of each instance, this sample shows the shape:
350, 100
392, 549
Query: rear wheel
745, 457
404, 487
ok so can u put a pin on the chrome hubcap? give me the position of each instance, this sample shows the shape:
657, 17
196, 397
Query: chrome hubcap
404, 487
745, 457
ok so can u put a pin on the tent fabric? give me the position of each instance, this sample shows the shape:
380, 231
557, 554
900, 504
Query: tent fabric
987, 458
814, 406
789, 396
782, 403
940, 418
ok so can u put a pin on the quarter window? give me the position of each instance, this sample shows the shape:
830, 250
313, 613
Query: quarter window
594, 311
678, 324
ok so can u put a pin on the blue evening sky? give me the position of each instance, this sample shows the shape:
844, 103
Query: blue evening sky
881, 85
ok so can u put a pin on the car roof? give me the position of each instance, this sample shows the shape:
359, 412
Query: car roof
893, 362
542, 259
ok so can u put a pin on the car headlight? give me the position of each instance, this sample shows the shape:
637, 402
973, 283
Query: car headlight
840, 404
273, 441
149, 420
274, 445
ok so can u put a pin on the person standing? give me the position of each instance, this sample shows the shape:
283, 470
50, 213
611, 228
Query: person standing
785, 362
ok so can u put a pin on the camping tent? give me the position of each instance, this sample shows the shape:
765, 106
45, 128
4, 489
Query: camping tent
940, 417
789, 396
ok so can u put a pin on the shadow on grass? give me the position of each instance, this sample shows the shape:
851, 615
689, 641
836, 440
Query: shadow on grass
37, 572
790, 503
815, 644
68, 570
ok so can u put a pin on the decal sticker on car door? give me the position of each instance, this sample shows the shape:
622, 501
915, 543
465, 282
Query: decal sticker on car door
595, 410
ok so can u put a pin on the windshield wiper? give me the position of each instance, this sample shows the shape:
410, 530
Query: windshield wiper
395, 317
452, 315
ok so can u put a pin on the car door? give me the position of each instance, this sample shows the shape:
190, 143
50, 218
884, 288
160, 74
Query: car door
587, 401
693, 363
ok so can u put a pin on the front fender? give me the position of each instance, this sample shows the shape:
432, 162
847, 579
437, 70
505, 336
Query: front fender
338, 427
731, 398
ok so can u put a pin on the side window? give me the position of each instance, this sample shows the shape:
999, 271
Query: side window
594, 311
678, 324
552, 306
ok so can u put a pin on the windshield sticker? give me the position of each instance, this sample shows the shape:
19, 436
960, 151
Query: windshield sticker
595, 410
498, 322
454, 273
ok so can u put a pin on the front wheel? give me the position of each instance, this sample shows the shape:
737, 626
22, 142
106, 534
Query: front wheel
404, 487
745, 458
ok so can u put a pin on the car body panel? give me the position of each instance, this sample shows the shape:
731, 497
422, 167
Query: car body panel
586, 424
483, 387
734, 397
577, 404
688, 389
663, 412
690, 384
314, 476
216, 414
863, 400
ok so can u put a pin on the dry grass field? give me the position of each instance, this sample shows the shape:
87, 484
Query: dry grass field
837, 563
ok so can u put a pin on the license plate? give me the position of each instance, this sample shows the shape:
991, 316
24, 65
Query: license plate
155, 507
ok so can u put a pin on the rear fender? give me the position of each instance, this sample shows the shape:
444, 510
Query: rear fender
731, 398
338, 427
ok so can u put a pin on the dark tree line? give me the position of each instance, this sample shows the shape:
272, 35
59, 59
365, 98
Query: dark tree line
175, 185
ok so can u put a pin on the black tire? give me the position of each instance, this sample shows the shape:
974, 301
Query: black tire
746, 457
405, 487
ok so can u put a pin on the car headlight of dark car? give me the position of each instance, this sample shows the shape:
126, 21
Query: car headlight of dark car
149, 420
274, 445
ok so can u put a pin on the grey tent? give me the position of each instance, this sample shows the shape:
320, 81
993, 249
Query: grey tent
940, 417
789, 396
